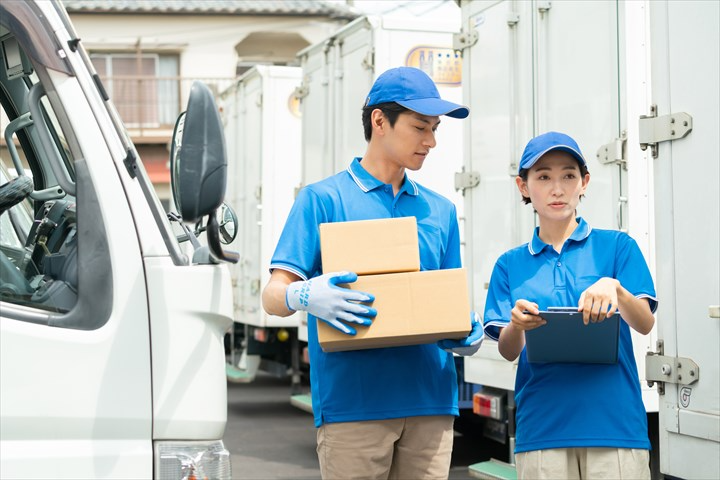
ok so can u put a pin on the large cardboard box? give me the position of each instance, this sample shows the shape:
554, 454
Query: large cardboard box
369, 247
413, 308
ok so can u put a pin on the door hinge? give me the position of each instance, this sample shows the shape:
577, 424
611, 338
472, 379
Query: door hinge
368, 61
663, 369
654, 129
465, 180
464, 39
544, 7
130, 162
613, 152
301, 91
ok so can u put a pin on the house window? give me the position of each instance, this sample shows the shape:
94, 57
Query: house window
145, 87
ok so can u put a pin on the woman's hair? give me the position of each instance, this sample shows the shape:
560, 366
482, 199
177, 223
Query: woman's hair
391, 110
524, 175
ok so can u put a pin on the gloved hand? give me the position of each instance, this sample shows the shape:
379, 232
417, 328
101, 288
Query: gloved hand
469, 345
321, 297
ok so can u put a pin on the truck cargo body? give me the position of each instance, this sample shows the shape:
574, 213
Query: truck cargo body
262, 129
635, 83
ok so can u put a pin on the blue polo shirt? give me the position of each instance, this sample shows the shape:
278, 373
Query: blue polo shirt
564, 405
385, 382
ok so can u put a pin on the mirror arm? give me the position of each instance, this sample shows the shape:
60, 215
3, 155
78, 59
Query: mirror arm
187, 235
213, 237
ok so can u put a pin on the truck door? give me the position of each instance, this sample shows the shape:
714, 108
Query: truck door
685, 51
75, 386
524, 77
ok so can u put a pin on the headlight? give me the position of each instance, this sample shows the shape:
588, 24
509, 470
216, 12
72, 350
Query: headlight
180, 460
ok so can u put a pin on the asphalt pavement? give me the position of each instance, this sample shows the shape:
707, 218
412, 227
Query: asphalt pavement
269, 439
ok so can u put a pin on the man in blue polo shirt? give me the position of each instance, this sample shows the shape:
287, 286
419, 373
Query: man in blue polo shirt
387, 412
573, 420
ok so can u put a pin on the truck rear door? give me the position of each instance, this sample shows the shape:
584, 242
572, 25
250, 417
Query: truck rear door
685, 51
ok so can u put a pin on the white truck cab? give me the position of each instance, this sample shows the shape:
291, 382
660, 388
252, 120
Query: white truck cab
111, 337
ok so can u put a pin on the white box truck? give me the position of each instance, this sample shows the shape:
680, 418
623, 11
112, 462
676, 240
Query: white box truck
261, 117
337, 75
636, 83
111, 338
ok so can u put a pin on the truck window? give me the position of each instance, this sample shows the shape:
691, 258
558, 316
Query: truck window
38, 244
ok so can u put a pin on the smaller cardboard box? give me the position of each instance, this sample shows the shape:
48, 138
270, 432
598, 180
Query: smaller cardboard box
369, 247
413, 308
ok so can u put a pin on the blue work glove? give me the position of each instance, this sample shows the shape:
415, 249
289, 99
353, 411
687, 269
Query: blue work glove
321, 297
469, 345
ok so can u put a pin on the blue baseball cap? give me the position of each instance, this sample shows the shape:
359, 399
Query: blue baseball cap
413, 89
542, 144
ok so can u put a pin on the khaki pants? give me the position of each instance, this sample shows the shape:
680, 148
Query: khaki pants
584, 463
412, 448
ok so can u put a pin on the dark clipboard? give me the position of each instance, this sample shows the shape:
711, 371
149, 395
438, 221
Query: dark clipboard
565, 339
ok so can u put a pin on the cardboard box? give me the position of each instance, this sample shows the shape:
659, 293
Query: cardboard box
369, 247
413, 308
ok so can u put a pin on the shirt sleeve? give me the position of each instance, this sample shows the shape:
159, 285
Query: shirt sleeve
632, 271
452, 252
498, 302
298, 249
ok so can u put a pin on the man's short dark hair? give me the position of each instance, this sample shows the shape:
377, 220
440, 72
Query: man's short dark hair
524, 175
391, 110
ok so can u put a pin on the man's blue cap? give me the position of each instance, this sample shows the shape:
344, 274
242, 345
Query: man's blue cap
542, 144
413, 89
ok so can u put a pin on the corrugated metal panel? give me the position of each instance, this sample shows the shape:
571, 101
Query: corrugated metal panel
206, 7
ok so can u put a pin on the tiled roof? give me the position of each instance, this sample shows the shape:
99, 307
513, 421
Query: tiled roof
335, 9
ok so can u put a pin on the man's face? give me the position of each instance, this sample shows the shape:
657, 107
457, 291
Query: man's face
409, 141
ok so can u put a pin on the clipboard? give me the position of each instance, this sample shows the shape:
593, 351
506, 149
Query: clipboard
565, 339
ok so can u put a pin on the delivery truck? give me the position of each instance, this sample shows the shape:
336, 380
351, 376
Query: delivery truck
635, 83
111, 330
262, 125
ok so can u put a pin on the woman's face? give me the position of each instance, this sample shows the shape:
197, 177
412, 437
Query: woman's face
554, 185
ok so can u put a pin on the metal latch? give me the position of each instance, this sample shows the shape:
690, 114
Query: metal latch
465, 180
654, 129
464, 39
662, 369
613, 152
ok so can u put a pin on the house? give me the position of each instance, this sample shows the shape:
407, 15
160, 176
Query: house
148, 53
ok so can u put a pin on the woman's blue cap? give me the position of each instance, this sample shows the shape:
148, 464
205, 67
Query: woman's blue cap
415, 90
542, 144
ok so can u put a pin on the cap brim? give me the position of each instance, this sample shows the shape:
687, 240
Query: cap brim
435, 107
565, 148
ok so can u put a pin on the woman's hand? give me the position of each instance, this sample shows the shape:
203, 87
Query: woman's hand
525, 315
512, 337
599, 300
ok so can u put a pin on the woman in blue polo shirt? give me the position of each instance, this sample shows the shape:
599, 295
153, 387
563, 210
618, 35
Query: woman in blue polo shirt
573, 420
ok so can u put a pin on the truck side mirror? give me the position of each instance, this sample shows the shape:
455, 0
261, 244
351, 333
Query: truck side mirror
198, 171
198, 163
227, 218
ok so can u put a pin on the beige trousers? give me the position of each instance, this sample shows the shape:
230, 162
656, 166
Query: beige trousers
584, 463
412, 448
